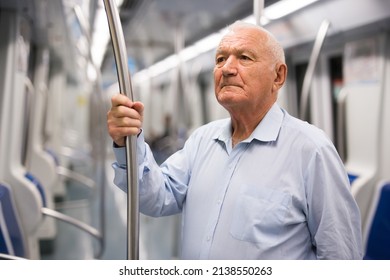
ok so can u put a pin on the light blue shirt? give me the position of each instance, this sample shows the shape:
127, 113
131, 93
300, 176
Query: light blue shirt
283, 193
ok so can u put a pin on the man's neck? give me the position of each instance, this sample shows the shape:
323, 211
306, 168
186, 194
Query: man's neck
244, 123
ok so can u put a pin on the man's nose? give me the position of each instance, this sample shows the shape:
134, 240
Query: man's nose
230, 66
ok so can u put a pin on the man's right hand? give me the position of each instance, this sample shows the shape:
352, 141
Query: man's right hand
124, 118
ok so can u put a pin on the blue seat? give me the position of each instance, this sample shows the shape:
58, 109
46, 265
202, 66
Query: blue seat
39, 187
352, 178
11, 239
378, 241
54, 156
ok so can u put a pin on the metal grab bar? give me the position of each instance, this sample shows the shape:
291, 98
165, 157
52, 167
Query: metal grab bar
72, 221
320, 38
77, 177
10, 257
120, 53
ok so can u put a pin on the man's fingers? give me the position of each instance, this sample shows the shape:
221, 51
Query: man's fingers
124, 118
121, 100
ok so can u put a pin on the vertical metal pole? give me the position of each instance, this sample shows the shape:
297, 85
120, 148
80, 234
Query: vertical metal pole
258, 10
319, 41
120, 53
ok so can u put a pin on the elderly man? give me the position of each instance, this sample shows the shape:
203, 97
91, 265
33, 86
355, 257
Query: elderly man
258, 185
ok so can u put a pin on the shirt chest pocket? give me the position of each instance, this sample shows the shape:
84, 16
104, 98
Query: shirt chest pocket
259, 215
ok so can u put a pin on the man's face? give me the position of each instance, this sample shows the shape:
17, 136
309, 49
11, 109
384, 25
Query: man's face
244, 71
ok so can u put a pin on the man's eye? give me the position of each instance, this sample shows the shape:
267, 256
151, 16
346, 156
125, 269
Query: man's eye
244, 57
219, 59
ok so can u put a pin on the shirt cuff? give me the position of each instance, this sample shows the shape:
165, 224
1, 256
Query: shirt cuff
120, 156
120, 152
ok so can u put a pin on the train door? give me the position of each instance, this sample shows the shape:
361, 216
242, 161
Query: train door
377, 232
363, 101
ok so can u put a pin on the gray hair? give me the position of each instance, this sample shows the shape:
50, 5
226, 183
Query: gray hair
273, 44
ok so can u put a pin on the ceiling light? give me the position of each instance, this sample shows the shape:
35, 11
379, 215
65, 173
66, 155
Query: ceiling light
285, 7
272, 12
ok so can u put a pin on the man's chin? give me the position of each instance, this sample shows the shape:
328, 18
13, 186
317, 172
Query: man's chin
228, 99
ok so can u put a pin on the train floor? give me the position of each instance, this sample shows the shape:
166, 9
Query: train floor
158, 236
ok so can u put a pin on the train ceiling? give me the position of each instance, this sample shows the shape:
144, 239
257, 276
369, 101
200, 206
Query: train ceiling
153, 28
150, 27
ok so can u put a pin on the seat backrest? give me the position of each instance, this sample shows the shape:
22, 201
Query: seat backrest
378, 241
11, 238
39, 187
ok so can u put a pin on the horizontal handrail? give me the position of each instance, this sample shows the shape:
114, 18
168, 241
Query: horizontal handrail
72, 221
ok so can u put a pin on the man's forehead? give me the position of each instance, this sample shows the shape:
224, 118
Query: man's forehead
240, 39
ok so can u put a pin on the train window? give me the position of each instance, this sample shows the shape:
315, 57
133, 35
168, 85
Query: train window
336, 75
337, 81
300, 72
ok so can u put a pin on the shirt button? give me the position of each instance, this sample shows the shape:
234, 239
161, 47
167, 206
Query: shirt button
208, 238
219, 202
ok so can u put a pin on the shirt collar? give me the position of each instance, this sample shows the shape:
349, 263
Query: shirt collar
266, 131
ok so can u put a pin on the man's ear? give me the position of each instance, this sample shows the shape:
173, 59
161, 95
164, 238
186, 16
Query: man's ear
281, 74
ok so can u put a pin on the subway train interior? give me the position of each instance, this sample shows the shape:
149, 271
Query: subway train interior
58, 71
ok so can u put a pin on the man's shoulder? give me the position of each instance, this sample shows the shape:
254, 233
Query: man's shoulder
306, 131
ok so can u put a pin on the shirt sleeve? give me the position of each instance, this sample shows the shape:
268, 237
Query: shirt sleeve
120, 174
333, 217
162, 189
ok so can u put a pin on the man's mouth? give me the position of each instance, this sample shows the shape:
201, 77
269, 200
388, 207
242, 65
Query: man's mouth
229, 85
